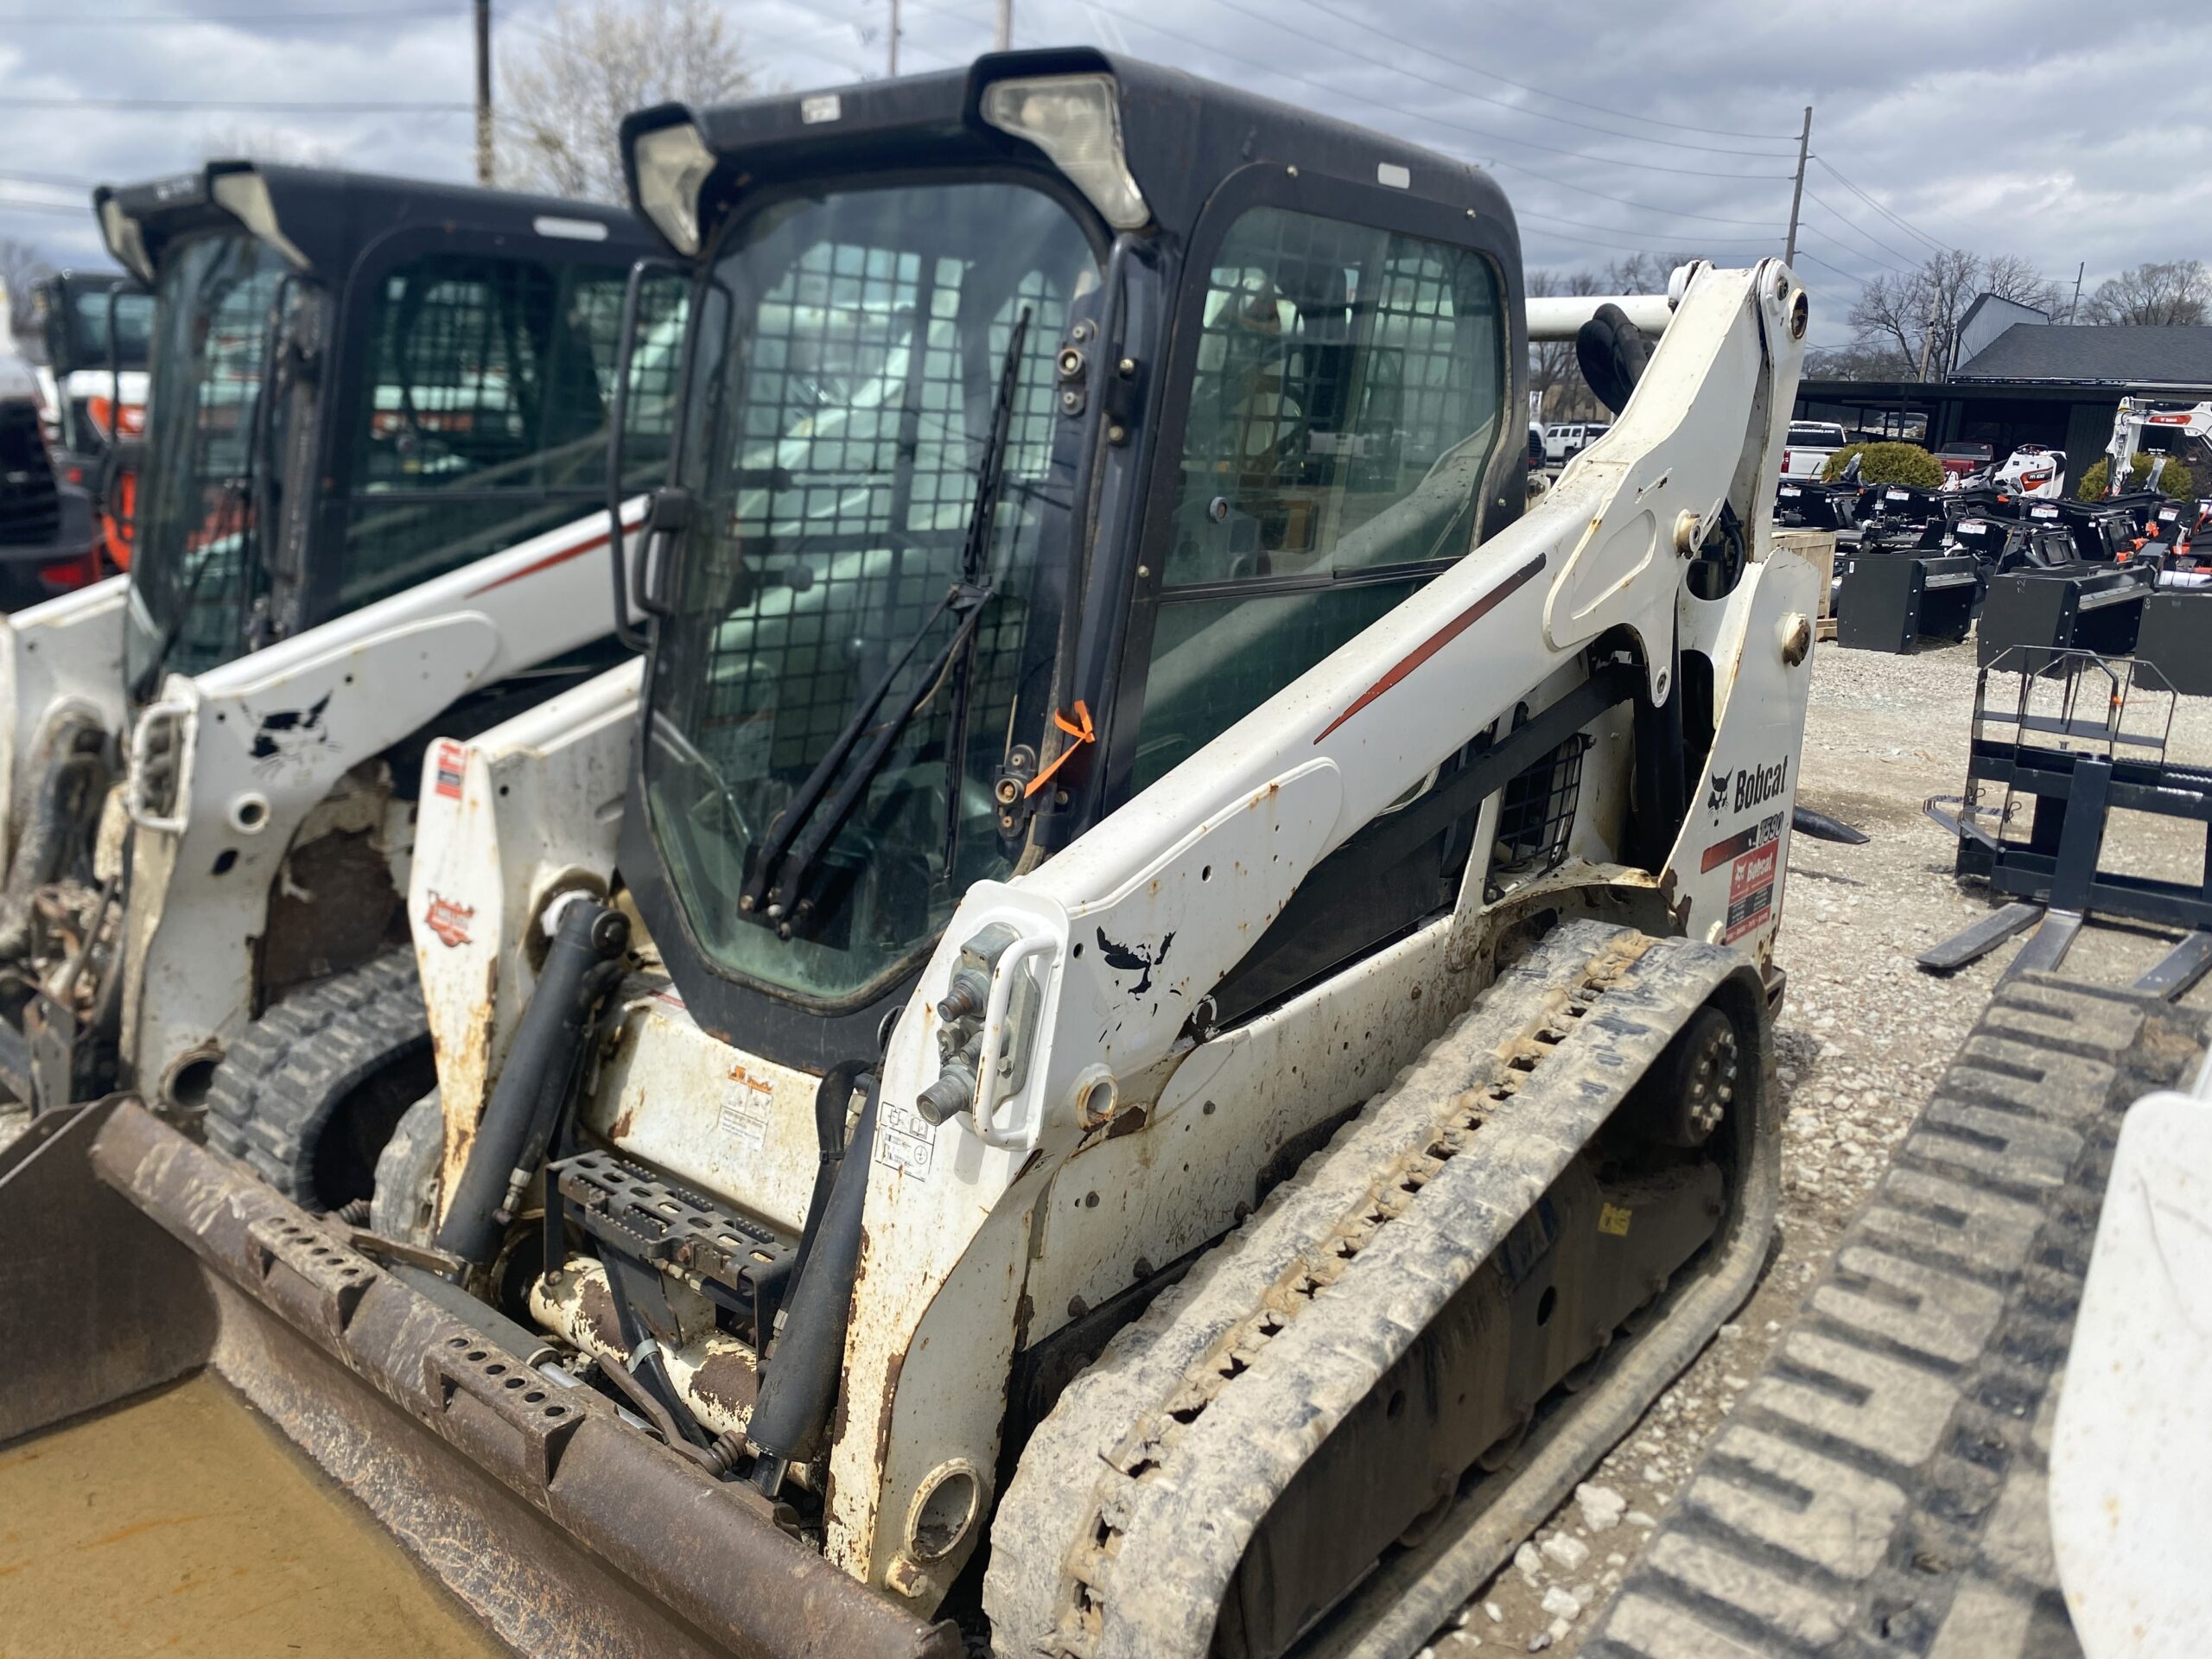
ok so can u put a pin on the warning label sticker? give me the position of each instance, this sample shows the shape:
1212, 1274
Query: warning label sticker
905, 1138
1750, 890
451, 758
744, 1115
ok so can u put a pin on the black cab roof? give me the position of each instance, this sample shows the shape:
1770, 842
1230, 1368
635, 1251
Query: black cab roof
322, 219
1181, 137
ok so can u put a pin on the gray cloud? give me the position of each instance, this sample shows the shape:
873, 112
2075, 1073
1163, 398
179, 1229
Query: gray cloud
2024, 127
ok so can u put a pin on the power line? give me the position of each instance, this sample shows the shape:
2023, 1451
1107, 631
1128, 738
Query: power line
1445, 85
1852, 223
1878, 208
1630, 230
1430, 50
165, 19
247, 105
12, 204
17, 176
1601, 109
1848, 251
1856, 282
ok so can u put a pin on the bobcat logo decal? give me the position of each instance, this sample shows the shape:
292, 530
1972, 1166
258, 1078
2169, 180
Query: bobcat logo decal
287, 738
1719, 797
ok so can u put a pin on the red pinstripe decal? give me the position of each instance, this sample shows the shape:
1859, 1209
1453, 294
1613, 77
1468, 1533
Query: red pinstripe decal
1443, 636
560, 557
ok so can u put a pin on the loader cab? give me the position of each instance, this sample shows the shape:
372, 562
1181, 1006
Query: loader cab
96, 326
1040, 420
357, 383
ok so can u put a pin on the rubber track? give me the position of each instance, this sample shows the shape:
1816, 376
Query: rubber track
279, 1083
1132, 1504
1880, 1489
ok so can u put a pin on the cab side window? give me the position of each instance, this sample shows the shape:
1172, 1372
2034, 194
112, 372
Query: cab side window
490, 381
1346, 403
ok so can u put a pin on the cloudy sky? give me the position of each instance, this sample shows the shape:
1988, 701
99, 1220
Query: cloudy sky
2027, 127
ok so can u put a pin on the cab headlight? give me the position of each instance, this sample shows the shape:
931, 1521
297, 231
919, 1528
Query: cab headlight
673, 163
1076, 121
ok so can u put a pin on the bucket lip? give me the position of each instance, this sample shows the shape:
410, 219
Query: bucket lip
679, 1538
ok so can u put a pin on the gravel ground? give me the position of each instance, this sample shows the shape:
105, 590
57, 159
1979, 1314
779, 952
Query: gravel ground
1863, 1036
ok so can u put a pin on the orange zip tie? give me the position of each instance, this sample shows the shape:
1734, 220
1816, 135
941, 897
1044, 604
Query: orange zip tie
1079, 730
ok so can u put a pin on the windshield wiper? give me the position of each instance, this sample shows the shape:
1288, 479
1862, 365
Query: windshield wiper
150, 682
805, 828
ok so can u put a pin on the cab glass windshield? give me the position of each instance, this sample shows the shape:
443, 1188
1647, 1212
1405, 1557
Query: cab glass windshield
190, 569
851, 352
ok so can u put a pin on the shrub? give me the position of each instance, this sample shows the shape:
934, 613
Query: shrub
2176, 482
1887, 463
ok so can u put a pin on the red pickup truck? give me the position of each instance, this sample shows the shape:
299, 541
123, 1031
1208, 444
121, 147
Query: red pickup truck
1959, 459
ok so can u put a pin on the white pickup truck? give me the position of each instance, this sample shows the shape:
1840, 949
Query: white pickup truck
1808, 446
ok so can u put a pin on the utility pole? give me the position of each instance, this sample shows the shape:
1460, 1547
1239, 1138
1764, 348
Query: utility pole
2078, 272
1003, 40
894, 68
484, 92
1797, 189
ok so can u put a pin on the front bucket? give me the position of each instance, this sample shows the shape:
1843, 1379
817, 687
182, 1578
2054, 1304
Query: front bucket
129, 1257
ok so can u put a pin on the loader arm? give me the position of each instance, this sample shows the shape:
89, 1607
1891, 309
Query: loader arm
2128, 422
224, 768
64, 655
1121, 938
528, 810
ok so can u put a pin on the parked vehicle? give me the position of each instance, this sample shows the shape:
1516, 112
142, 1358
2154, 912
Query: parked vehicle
97, 327
43, 525
1562, 441
1805, 450
1962, 458
1141, 930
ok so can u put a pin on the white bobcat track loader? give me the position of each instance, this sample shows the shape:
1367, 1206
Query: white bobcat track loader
1200, 1042
376, 458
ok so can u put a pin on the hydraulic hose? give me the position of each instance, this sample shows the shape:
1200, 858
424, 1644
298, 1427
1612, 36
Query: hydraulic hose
831, 1101
798, 1388
542, 1066
56, 810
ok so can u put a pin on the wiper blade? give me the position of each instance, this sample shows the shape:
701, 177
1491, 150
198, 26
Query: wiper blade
805, 828
974, 564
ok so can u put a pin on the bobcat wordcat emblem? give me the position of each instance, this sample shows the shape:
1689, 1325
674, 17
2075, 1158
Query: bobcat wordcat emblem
287, 738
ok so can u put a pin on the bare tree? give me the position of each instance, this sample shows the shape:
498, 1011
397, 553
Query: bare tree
2175, 291
595, 62
1553, 374
1914, 319
21, 265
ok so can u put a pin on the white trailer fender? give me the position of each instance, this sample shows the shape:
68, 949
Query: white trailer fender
2131, 1450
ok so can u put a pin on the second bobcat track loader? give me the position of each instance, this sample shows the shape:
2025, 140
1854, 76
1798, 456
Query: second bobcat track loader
375, 442
1148, 1025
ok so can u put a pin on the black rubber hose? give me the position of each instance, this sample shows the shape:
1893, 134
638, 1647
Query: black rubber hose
56, 814
831, 1101
545, 1055
798, 1388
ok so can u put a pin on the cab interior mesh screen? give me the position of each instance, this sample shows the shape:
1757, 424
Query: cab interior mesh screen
865, 406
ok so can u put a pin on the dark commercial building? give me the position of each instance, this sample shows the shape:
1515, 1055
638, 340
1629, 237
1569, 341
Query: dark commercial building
2055, 383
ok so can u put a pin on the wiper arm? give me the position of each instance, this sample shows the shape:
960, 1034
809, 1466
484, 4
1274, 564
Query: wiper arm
805, 828
235, 493
975, 566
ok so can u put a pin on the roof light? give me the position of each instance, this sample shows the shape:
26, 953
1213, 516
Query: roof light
246, 197
1076, 121
125, 240
671, 164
